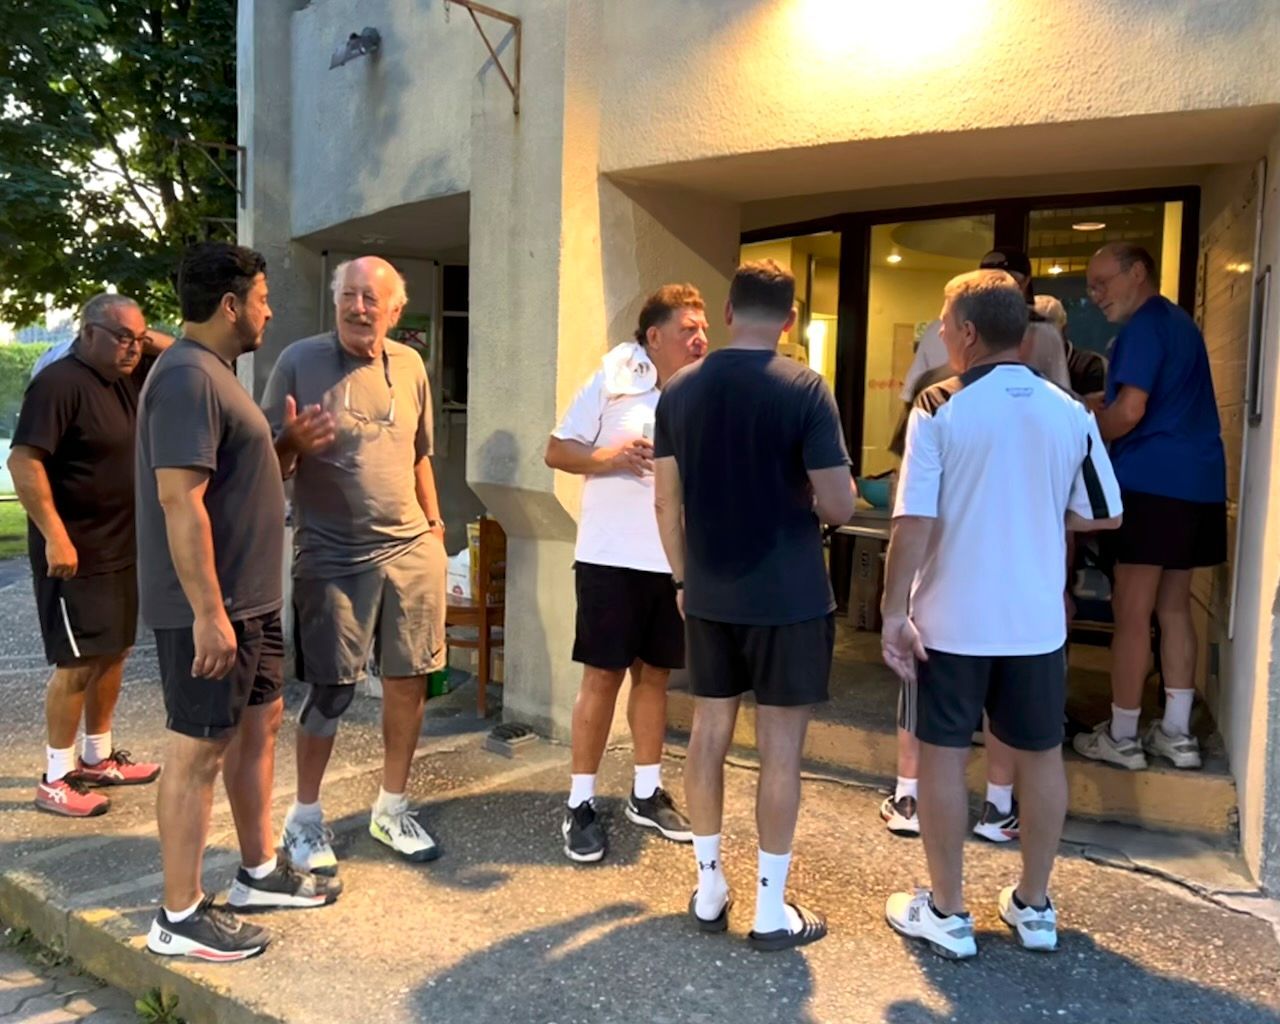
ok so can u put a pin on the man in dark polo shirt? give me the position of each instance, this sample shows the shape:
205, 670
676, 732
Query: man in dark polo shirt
72, 466
210, 554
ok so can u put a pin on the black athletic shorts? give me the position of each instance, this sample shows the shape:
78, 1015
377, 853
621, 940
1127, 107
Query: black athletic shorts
86, 616
1024, 698
1168, 532
625, 615
785, 666
209, 708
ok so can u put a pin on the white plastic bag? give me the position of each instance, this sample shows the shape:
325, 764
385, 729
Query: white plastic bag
459, 577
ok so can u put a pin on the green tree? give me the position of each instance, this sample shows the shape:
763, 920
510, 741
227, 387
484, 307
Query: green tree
105, 169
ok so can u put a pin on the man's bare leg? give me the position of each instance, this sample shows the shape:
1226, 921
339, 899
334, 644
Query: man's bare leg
709, 740
944, 819
182, 810
1042, 781
249, 775
404, 700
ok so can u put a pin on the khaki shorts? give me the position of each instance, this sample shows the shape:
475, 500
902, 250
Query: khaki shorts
394, 612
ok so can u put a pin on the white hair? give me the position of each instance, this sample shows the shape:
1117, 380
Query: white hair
1052, 310
99, 305
399, 294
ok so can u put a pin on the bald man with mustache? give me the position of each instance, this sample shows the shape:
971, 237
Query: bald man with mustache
369, 566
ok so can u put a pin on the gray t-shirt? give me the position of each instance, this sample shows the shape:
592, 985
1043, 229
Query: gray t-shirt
194, 414
355, 505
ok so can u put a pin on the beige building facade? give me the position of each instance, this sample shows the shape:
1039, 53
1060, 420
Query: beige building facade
867, 143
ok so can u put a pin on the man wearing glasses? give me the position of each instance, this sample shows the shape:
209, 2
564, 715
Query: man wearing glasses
72, 466
369, 567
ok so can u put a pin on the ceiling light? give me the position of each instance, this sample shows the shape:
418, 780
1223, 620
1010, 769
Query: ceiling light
893, 257
1089, 225
1056, 269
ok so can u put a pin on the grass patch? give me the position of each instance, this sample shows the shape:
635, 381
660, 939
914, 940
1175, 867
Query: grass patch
13, 530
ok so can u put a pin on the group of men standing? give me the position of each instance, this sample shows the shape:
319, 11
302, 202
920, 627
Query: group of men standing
108, 438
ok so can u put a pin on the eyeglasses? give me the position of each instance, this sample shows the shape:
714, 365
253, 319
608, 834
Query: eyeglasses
360, 417
1097, 287
123, 337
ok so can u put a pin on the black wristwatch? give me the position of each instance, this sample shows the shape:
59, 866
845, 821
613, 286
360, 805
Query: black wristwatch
678, 584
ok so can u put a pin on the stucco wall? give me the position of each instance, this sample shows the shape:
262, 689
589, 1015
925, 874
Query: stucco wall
386, 129
829, 71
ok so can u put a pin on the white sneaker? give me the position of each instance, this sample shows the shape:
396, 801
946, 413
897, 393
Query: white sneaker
899, 816
401, 831
1183, 751
913, 916
1037, 929
308, 844
1099, 746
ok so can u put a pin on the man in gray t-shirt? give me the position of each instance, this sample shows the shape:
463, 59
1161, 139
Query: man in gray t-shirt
210, 514
369, 566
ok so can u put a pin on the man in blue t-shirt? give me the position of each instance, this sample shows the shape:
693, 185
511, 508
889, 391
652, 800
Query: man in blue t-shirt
749, 457
1160, 417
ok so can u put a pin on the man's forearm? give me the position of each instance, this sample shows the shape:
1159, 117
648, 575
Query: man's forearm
31, 483
424, 480
191, 545
908, 545
287, 456
576, 457
671, 530
156, 342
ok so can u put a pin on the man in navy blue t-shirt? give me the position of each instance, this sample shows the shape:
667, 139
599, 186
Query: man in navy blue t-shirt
749, 456
1160, 417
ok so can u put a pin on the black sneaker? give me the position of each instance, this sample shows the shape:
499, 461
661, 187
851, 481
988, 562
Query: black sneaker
658, 811
286, 886
996, 827
211, 933
583, 834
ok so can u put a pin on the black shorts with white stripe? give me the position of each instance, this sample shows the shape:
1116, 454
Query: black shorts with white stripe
86, 616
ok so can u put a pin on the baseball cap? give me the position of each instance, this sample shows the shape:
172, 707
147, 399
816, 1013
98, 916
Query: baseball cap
1013, 261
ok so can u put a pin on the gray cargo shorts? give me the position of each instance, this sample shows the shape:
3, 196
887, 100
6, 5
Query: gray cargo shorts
393, 611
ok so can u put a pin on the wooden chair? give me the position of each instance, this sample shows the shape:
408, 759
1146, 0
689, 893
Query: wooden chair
484, 611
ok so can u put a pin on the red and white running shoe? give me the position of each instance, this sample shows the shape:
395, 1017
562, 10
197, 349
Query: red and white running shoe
69, 796
117, 769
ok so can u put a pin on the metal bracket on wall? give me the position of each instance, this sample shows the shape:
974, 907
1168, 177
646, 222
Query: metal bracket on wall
473, 9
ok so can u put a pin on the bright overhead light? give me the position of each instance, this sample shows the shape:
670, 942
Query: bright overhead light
1089, 225
894, 257
1055, 269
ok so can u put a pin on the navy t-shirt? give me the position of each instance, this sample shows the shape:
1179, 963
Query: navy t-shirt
1176, 449
744, 427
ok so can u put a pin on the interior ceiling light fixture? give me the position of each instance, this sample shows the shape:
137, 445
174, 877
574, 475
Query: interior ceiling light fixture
356, 45
1089, 225
894, 257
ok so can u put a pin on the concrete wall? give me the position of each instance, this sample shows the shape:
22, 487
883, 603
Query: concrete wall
829, 72
383, 130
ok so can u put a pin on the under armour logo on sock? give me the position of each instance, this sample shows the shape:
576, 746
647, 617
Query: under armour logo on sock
711, 866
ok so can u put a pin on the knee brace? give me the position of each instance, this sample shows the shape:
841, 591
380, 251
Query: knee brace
323, 707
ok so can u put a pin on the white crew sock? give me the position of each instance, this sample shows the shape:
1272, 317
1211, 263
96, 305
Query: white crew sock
906, 787
1124, 723
581, 789
713, 887
262, 870
772, 912
300, 812
1177, 712
181, 915
97, 748
59, 763
390, 803
1001, 797
648, 779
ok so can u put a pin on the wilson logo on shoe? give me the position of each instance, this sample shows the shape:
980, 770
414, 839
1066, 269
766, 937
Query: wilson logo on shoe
165, 937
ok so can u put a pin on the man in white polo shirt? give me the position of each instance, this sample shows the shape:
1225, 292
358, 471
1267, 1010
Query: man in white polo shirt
997, 461
627, 614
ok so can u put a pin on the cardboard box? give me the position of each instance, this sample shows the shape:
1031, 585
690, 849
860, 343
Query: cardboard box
866, 584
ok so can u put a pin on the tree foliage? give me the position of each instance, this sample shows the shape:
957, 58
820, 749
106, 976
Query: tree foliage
105, 173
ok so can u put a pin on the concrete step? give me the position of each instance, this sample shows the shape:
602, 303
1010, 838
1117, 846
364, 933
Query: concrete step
1201, 803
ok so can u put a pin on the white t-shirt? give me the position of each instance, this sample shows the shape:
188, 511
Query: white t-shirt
997, 457
1048, 355
618, 525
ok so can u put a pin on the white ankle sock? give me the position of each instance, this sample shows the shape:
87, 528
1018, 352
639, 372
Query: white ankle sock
97, 748
1001, 797
389, 803
59, 763
1177, 712
262, 870
305, 812
581, 789
181, 915
906, 787
1124, 723
648, 779
713, 887
772, 912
